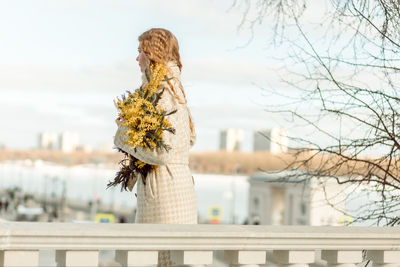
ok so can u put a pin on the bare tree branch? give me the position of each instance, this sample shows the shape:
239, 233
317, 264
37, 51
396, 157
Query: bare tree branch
345, 68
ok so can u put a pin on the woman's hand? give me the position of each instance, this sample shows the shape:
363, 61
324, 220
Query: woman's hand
119, 120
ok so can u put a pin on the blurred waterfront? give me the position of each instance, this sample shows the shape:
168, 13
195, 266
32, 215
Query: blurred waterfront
45, 191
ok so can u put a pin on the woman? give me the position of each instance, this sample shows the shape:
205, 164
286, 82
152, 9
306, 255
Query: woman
168, 194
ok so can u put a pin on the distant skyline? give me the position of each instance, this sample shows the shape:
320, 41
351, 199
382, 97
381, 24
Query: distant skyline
63, 62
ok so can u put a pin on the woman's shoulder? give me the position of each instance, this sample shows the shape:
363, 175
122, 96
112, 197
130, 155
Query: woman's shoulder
172, 91
173, 67
172, 86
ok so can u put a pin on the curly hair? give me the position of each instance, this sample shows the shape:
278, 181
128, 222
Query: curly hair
160, 45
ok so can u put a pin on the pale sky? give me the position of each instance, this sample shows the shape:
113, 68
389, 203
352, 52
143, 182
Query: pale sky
63, 62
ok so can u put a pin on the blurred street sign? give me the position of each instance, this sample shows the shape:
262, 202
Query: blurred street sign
345, 221
105, 218
215, 214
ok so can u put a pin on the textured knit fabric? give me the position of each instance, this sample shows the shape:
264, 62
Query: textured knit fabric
168, 196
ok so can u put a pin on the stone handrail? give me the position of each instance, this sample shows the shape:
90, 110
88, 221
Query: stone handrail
78, 244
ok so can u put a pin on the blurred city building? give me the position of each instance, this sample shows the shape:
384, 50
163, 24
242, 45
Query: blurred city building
48, 140
274, 140
64, 141
293, 198
231, 139
68, 141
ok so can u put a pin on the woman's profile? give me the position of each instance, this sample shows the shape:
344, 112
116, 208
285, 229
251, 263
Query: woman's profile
166, 195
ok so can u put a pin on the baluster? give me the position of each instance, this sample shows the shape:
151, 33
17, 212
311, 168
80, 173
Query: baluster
192, 257
294, 258
245, 258
77, 258
384, 258
341, 258
136, 257
19, 258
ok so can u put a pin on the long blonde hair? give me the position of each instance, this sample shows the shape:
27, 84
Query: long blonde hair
160, 45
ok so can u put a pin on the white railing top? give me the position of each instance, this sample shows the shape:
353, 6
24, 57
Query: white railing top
80, 236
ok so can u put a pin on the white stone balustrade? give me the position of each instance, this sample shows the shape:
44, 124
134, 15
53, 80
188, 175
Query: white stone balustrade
193, 245
384, 258
245, 258
342, 258
294, 258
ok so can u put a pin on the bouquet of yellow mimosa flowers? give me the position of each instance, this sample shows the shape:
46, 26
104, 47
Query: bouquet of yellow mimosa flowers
145, 121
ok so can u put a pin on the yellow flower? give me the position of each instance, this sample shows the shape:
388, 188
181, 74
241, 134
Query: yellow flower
158, 71
166, 123
140, 164
159, 133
